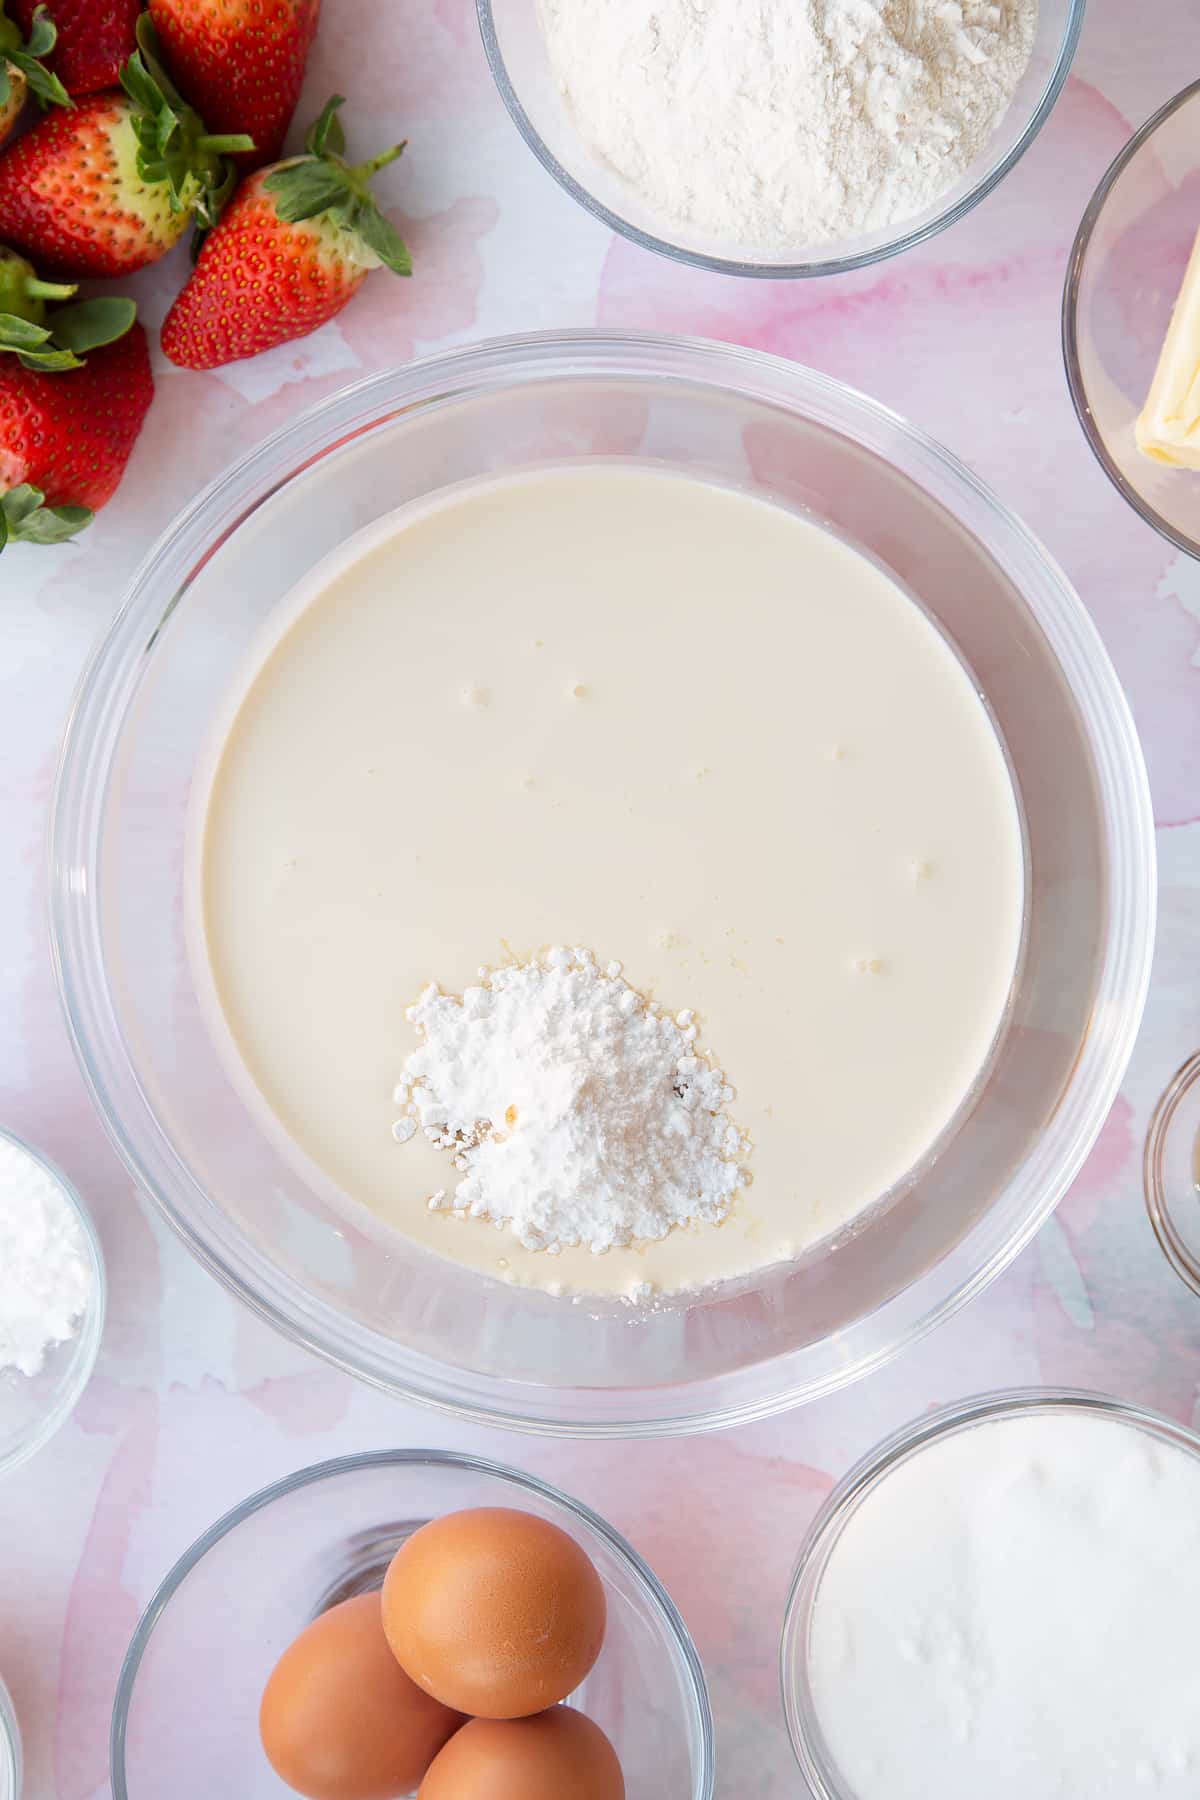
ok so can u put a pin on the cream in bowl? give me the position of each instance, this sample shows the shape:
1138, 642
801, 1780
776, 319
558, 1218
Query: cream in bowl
690, 730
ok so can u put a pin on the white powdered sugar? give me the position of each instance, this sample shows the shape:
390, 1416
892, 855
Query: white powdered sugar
45, 1269
576, 1111
777, 124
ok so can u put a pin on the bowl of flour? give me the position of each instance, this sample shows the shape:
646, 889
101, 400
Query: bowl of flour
783, 138
52, 1297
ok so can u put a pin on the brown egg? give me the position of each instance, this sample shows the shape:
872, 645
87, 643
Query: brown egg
340, 1720
494, 1612
556, 1755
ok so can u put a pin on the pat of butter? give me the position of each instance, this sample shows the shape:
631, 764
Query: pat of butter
1168, 429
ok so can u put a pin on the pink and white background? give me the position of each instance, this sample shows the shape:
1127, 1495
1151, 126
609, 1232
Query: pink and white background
194, 1403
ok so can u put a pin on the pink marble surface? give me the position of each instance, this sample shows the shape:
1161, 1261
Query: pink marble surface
194, 1403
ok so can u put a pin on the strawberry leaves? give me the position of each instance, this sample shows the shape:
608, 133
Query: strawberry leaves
381, 235
31, 345
26, 519
26, 56
172, 144
71, 333
323, 183
325, 133
90, 324
306, 188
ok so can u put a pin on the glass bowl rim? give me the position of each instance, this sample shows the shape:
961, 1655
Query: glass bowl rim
1158, 1204
874, 1467
647, 1582
482, 369
766, 270
84, 1348
11, 1763
1070, 320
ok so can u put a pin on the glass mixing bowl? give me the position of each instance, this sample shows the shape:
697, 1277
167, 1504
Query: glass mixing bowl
367, 1298
1125, 271
516, 50
10, 1749
1171, 1172
822, 1777
185, 1718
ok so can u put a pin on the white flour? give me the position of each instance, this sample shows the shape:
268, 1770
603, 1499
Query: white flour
577, 1112
45, 1270
779, 124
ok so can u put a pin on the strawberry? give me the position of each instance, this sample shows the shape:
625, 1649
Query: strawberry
23, 70
67, 425
95, 40
296, 242
110, 185
240, 62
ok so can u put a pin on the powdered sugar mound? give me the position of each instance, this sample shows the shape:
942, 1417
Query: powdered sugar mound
577, 1112
45, 1270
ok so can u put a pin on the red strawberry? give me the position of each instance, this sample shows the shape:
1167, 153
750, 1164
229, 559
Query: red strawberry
296, 242
95, 39
67, 426
240, 62
23, 68
110, 185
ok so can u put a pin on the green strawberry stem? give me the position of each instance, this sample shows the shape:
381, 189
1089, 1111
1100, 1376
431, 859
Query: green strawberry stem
48, 290
22, 292
227, 145
364, 171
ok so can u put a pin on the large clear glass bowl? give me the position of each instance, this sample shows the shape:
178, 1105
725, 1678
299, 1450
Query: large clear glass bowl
10, 1749
1123, 277
823, 1779
185, 1718
367, 1298
516, 49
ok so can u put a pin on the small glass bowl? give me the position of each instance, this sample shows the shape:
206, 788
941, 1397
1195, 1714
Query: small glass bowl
185, 1718
34, 1407
1171, 1172
10, 1748
516, 49
1123, 278
824, 1781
